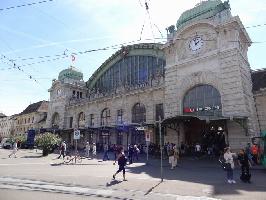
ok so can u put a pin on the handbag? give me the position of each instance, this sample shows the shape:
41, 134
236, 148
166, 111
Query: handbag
225, 166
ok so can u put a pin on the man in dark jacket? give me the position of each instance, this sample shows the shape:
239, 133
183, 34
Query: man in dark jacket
243, 161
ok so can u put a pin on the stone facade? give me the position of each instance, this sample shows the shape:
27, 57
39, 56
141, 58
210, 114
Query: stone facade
207, 50
33, 117
6, 126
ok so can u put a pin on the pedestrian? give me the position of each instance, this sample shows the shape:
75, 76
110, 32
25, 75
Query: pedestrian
136, 152
130, 153
255, 151
105, 154
229, 158
88, 149
14, 150
172, 160
197, 150
62, 150
94, 150
122, 161
243, 161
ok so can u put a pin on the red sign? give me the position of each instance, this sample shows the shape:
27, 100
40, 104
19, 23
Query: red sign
207, 108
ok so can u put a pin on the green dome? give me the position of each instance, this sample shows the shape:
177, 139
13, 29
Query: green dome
71, 73
203, 10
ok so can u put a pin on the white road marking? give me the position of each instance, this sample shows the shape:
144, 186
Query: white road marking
18, 164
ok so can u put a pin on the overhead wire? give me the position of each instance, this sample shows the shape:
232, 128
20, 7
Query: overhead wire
25, 5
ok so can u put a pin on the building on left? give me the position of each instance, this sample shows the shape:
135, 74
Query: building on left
31, 118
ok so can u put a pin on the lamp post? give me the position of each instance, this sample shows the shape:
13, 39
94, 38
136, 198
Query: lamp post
161, 146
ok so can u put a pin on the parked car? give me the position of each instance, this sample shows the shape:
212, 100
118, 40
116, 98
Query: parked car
6, 143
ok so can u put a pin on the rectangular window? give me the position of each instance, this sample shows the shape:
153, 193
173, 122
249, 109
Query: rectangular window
120, 116
159, 111
70, 122
80, 95
91, 119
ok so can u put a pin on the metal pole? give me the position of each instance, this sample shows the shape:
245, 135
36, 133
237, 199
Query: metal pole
76, 150
161, 148
147, 144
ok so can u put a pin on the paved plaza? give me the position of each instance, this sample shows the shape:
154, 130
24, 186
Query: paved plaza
30, 176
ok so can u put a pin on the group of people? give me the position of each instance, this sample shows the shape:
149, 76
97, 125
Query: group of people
243, 161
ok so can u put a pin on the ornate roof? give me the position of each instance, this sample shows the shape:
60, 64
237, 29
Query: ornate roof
203, 10
71, 73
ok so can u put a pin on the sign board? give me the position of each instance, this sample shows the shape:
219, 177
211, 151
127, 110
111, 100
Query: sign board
141, 128
30, 138
76, 134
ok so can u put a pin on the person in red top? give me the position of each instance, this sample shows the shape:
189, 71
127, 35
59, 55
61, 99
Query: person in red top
254, 152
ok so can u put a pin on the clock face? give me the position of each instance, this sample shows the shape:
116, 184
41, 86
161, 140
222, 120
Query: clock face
196, 43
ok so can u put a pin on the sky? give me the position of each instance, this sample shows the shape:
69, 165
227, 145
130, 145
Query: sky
40, 39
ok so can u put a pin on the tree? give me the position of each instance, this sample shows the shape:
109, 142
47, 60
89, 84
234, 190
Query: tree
47, 141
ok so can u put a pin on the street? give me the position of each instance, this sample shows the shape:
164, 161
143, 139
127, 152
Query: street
31, 176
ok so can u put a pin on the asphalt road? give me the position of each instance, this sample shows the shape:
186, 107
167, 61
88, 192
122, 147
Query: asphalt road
31, 176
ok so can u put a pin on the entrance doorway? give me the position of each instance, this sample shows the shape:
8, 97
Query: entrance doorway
210, 136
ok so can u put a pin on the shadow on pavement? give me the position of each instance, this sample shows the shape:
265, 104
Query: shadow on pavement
113, 182
208, 172
35, 156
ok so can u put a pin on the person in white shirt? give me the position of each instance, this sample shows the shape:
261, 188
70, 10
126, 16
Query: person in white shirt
15, 149
197, 150
94, 150
229, 158
88, 149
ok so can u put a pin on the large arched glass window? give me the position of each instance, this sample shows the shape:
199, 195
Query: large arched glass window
130, 71
202, 100
105, 117
138, 113
81, 120
55, 120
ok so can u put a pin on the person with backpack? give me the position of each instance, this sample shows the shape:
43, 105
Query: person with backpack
122, 161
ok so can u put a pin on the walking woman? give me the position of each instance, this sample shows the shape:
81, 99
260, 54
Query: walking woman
122, 161
229, 158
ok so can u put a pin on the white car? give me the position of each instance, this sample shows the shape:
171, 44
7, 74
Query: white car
6, 143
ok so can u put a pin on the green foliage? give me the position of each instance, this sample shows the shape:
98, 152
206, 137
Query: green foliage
47, 141
21, 138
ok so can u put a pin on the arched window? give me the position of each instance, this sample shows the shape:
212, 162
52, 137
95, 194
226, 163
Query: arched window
81, 120
55, 120
202, 100
105, 117
138, 113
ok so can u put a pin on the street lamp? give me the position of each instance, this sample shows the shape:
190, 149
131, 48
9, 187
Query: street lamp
161, 147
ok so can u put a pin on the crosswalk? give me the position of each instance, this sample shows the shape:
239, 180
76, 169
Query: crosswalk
100, 192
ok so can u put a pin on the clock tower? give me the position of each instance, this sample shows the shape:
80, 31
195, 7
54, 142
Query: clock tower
68, 87
207, 73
